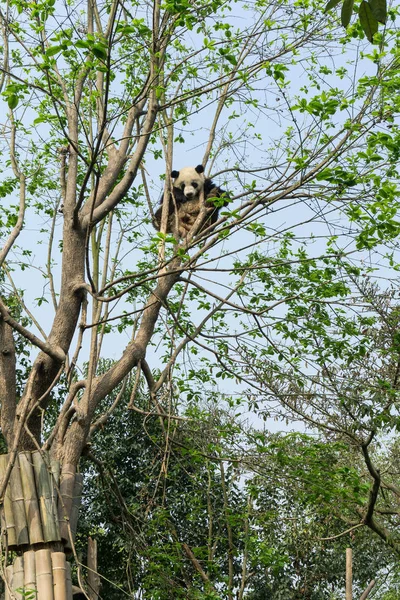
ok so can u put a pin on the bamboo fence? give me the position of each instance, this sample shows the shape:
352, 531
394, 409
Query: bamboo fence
39, 519
41, 504
39, 575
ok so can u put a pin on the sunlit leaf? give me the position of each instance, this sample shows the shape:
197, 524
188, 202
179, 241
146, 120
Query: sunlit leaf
12, 101
53, 50
82, 44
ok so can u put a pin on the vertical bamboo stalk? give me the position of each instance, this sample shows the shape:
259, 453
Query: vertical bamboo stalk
44, 486
30, 572
30, 497
93, 579
55, 471
18, 578
67, 492
18, 505
349, 574
59, 576
69, 581
7, 506
44, 575
76, 503
9, 581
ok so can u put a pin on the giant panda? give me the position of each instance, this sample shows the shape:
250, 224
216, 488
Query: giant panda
186, 195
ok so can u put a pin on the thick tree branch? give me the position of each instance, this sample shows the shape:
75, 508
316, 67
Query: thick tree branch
51, 350
104, 384
373, 494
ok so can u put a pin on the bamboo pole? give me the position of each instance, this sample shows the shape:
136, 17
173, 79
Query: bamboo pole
7, 513
18, 578
44, 486
59, 576
16, 494
30, 573
55, 471
65, 506
76, 503
69, 581
366, 592
30, 497
9, 582
93, 579
18, 502
44, 575
349, 574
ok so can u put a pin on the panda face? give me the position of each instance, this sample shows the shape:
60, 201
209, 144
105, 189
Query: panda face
190, 180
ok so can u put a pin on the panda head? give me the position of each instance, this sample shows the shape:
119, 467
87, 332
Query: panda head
190, 180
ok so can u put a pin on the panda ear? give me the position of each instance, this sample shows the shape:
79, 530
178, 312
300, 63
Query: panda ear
174, 174
199, 169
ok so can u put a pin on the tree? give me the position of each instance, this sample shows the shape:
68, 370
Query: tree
94, 99
351, 396
170, 531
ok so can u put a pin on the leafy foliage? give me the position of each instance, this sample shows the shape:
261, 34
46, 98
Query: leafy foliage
284, 313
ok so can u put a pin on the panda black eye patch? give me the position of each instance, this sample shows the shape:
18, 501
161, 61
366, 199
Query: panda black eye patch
182, 186
195, 185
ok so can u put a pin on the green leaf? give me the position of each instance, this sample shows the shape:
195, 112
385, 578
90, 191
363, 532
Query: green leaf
100, 51
379, 10
331, 4
53, 50
347, 11
82, 44
12, 101
367, 20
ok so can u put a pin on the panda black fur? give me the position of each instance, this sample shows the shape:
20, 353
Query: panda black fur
187, 189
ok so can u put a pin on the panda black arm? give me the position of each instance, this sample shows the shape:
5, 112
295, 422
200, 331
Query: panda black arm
213, 191
208, 186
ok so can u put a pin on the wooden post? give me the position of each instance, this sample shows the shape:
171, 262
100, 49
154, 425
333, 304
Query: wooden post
349, 574
93, 578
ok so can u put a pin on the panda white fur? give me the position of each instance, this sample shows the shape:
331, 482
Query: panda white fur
187, 196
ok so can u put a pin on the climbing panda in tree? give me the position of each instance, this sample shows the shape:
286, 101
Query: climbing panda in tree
187, 197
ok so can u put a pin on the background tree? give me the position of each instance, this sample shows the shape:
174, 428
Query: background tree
170, 532
94, 99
